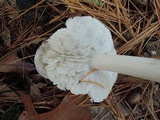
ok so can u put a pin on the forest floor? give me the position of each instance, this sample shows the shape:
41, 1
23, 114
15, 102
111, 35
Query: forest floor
25, 95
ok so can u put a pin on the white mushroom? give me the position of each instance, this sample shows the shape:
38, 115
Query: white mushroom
71, 56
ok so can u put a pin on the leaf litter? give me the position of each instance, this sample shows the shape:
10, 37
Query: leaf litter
11, 63
68, 109
135, 29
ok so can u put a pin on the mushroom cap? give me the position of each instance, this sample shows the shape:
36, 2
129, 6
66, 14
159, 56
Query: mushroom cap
64, 58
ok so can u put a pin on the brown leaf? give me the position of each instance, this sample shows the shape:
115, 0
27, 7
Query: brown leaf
67, 110
12, 63
34, 91
29, 111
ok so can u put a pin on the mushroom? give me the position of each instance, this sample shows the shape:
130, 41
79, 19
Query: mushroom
82, 58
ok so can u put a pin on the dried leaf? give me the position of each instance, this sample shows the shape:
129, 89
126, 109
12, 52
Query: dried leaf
12, 63
29, 108
67, 110
34, 91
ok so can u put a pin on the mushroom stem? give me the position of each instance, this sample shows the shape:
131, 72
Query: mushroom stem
146, 68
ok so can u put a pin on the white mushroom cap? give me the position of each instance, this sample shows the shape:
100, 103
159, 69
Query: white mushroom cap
64, 58
38, 60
